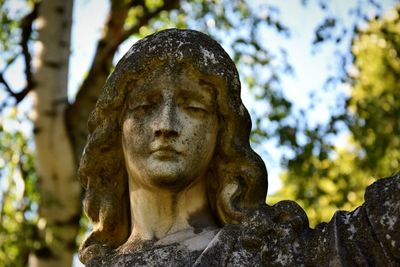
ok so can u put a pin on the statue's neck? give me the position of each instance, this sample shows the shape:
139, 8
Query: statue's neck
158, 213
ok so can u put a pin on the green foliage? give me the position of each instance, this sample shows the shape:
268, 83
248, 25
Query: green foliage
153, 4
9, 32
323, 185
323, 177
18, 193
374, 103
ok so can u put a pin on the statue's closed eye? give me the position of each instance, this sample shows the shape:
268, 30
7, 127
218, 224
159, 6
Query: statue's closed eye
143, 107
196, 109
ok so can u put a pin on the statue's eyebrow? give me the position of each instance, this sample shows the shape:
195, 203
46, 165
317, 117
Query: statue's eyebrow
207, 93
209, 88
206, 83
141, 92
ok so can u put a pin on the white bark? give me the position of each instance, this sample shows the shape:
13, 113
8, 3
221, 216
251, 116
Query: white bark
59, 188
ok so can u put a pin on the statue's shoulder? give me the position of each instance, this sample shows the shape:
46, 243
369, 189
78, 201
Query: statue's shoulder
366, 236
382, 208
267, 236
279, 229
279, 235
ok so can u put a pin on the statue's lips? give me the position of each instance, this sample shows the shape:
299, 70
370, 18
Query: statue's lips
166, 152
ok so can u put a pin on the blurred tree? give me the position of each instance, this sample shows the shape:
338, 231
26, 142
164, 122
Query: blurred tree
323, 177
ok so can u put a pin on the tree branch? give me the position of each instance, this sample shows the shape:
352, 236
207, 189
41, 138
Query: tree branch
113, 35
17, 96
26, 28
6, 85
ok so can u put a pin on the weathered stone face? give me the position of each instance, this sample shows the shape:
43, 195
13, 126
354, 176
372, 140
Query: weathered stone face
169, 129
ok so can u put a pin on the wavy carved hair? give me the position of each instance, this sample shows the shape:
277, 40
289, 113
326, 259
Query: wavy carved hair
239, 176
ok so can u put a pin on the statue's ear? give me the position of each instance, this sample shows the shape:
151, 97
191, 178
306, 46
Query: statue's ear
228, 214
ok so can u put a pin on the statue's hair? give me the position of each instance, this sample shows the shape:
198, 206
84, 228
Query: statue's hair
237, 175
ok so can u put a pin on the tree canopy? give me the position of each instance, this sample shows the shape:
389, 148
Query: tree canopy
325, 177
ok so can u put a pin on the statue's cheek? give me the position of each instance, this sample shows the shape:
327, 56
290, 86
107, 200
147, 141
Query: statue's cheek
135, 136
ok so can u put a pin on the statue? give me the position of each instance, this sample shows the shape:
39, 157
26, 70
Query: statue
171, 179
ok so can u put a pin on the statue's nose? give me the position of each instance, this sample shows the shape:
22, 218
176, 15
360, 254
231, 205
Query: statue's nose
167, 122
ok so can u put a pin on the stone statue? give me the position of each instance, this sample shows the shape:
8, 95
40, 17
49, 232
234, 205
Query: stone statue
171, 179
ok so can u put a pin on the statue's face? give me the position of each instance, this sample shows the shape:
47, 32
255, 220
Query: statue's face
169, 130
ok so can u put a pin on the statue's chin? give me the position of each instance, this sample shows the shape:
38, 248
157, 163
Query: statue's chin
169, 175
175, 184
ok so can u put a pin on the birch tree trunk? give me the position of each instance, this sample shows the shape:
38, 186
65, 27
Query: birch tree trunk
60, 203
